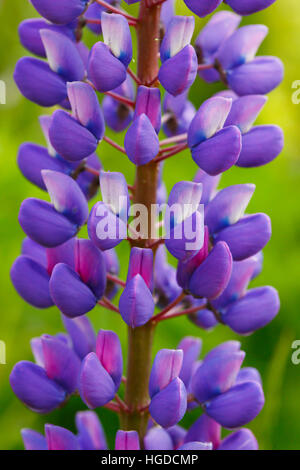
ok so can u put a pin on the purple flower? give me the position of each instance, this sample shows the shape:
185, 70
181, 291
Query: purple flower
166, 288
118, 115
237, 58
260, 144
183, 220
90, 435
179, 113
29, 33
214, 148
216, 244
221, 26
109, 60
136, 302
101, 372
179, 60
243, 7
86, 123
225, 399
31, 272
107, 224
38, 83
127, 440
84, 283
45, 385
68, 11
166, 389
52, 224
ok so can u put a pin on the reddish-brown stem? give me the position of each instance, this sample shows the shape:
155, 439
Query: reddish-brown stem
116, 10
110, 304
134, 76
205, 66
174, 140
169, 307
116, 280
114, 144
120, 98
93, 171
113, 407
177, 149
121, 403
179, 313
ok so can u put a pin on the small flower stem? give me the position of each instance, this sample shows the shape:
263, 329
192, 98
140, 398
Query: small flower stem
215, 312
98, 22
121, 403
131, 188
177, 149
107, 304
116, 10
114, 144
116, 280
174, 140
180, 313
113, 407
120, 98
134, 76
168, 308
222, 73
205, 66
93, 171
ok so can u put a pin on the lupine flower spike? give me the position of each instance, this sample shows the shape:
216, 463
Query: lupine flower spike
68, 258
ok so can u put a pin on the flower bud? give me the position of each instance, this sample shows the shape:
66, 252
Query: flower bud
166, 367
212, 276
109, 352
141, 262
136, 302
148, 103
141, 141
127, 440
59, 438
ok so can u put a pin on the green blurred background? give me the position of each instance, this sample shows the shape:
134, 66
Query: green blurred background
277, 194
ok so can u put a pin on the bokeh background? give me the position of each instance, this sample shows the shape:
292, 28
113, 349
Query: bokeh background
277, 194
